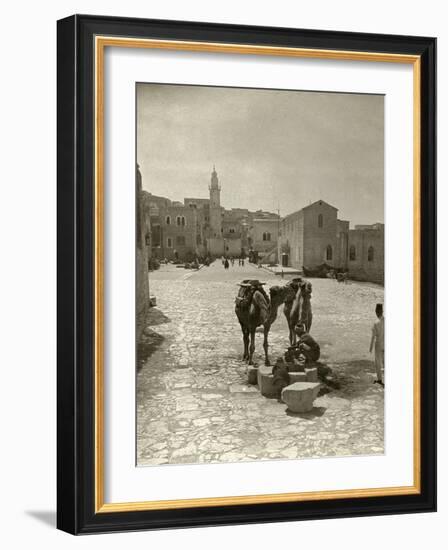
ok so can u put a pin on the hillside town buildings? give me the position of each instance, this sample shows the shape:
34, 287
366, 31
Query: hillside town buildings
201, 227
306, 238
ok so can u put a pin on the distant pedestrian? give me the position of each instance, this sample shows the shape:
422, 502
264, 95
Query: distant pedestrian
232, 259
242, 262
378, 340
226, 264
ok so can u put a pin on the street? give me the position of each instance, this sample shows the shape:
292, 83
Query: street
193, 401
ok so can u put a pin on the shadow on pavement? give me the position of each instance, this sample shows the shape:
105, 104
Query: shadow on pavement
351, 378
149, 344
156, 317
314, 413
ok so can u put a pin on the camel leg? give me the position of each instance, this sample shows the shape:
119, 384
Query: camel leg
266, 346
246, 344
292, 336
252, 346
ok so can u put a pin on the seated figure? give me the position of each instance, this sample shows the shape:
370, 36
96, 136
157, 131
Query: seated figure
306, 346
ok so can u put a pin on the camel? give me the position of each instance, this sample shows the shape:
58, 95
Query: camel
254, 308
298, 309
294, 285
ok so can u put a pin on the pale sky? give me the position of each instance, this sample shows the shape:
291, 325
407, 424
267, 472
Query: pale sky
271, 148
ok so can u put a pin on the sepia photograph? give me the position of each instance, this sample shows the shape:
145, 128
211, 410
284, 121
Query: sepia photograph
260, 303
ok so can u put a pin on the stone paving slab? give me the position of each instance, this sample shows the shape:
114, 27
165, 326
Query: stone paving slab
191, 403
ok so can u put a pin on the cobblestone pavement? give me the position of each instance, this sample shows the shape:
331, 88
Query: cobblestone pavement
194, 403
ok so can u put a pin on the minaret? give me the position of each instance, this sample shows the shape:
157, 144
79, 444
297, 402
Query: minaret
215, 205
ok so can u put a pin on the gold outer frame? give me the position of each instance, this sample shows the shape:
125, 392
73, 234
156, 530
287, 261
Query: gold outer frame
101, 42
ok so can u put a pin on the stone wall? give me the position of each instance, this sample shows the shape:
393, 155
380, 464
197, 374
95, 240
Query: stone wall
362, 264
342, 243
292, 239
267, 228
179, 233
320, 229
141, 265
218, 247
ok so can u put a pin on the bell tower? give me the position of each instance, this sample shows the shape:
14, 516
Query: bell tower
215, 206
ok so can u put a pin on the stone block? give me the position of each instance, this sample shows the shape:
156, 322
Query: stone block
296, 366
300, 396
311, 375
265, 381
298, 377
252, 375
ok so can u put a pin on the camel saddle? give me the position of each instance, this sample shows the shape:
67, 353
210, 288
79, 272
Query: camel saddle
246, 292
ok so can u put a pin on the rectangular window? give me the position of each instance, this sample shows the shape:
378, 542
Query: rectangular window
169, 242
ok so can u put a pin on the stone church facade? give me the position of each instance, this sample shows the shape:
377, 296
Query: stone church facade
314, 235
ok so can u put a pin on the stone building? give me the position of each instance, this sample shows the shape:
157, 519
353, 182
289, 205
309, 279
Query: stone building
177, 233
200, 227
263, 237
142, 230
309, 236
314, 235
366, 253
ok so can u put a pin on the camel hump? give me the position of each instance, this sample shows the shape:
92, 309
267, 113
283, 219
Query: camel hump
261, 300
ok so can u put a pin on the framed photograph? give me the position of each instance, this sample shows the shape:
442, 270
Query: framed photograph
239, 210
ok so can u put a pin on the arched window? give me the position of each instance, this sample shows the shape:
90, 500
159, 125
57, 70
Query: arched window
264, 236
183, 221
329, 252
352, 253
178, 220
168, 220
370, 254
320, 220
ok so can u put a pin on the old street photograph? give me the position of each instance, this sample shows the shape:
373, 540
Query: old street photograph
260, 305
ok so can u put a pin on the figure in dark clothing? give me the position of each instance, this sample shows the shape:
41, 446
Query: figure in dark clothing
306, 344
226, 264
281, 377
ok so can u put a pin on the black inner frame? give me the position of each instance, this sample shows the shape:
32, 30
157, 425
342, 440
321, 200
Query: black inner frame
76, 265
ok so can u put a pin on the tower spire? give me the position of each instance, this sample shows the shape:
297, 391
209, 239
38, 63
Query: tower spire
214, 182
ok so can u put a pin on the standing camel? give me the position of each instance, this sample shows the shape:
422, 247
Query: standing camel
299, 308
254, 308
